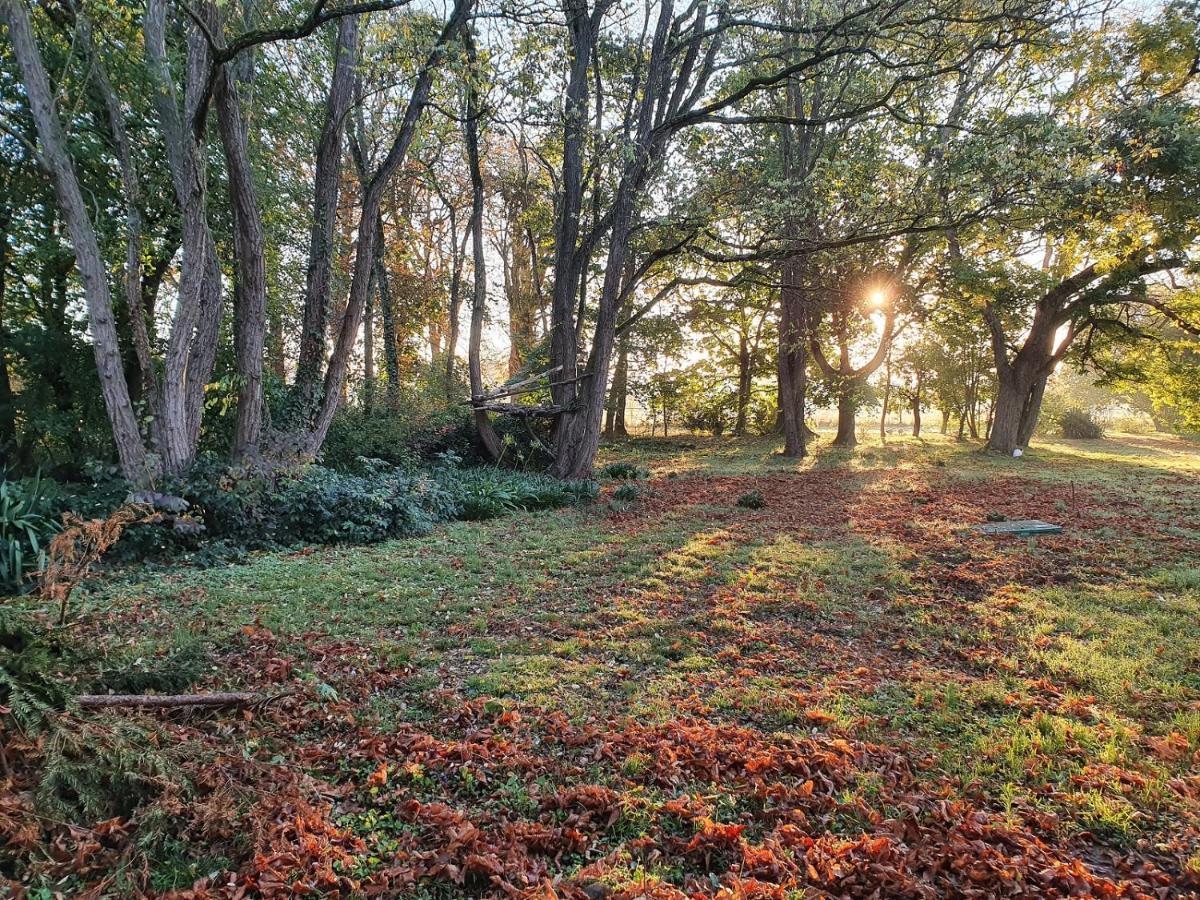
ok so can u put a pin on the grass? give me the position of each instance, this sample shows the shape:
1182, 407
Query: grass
1054, 684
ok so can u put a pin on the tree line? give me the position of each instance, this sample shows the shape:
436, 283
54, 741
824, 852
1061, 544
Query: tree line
223, 223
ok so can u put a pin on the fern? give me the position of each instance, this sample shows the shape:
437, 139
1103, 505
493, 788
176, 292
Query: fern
29, 687
97, 770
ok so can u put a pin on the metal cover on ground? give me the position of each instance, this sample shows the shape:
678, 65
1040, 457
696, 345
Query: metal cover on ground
1019, 527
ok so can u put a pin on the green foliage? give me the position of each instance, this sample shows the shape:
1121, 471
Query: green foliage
26, 527
752, 500
1079, 424
624, 471
29, 687
400, 439
625, 496
98, 770
170, 672
487, 493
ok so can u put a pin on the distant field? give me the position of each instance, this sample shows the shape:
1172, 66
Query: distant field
843, 692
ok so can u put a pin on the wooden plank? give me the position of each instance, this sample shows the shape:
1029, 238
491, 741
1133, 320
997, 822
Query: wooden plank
1019, 528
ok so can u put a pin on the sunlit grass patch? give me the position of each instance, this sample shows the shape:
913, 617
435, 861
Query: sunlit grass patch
1128, 645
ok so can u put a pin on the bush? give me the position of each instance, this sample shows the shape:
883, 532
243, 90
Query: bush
486, 493
26, 527
1078, 424
624, 471
752, 500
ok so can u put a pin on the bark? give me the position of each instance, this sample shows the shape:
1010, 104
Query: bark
916, 409
792, 364
369, 343
743, 389
614, 425
455, 311
487, 434
250, 284
192, 343
583, 30
326, 182
57, 161
887, 399
1032, 411
166, 701
134, 224
391, 355
847, 408
8, 425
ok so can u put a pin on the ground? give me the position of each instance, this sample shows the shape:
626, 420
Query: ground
844, 692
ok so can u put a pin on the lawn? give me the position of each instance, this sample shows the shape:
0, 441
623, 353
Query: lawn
844, 692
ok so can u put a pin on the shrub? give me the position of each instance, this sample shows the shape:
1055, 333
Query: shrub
485, 493
26, 527
752, 500
624, 497
624, 471
1078, 424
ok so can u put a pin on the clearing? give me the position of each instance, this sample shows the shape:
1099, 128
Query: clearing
845, 692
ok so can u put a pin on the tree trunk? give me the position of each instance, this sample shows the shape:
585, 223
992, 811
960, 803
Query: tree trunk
743, 392
792, 363
614, 425
391, 353
847, 408
8, 423
457, 260
57, 162
887, 399
487, 434
1012, 394
326, 182
916, 411
1031, 412
369, 344
250, 286
192, 344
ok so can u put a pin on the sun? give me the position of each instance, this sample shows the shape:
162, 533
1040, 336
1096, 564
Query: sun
877, 298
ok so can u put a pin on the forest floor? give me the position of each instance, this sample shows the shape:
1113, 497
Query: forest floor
843, 693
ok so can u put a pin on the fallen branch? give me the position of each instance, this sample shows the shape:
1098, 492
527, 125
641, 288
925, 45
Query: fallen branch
166, 701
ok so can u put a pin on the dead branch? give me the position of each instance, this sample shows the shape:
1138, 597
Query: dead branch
168, 701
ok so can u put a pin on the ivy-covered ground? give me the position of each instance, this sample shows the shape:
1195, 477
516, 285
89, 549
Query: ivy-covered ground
841, 693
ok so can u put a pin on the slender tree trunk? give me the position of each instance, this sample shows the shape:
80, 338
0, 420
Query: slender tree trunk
369, 345
326, 183
250, 287
57, 162
131, 194
487, 434
743, 393
456, 274
391, 355
887, 398
916, 409
614, 425
8, 424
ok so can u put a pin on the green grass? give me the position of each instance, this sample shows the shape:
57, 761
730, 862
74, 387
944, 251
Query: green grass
1022, 693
